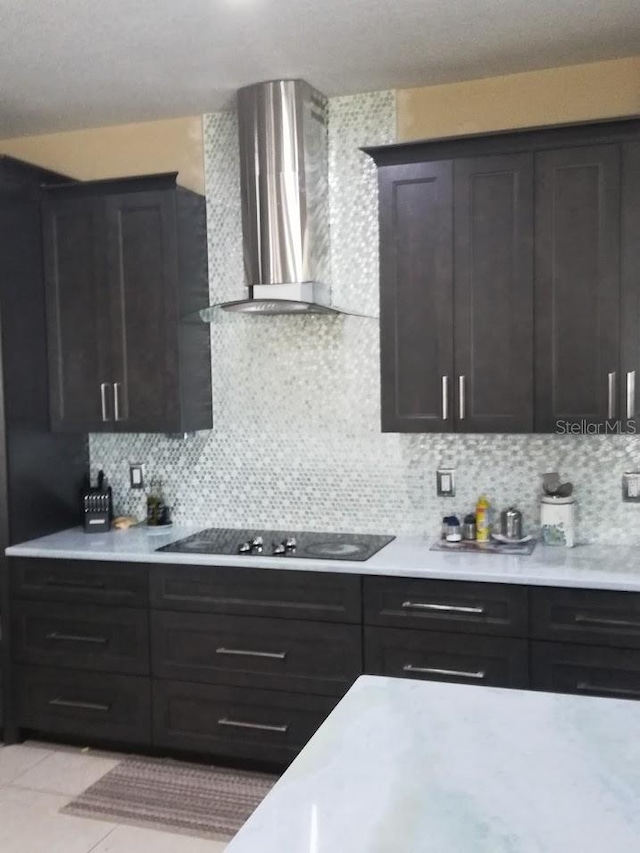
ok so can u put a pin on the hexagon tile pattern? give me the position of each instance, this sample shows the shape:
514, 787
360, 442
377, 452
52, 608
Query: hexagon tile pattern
296, 441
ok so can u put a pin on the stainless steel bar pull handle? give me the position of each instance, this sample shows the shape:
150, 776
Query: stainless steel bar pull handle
462, 403
611, 397
478, 674
222, 650
605, 621
76, 638
443, 608
631, 394
610, 691
103, 400
263, 727
445, 398
85, 706
116, 401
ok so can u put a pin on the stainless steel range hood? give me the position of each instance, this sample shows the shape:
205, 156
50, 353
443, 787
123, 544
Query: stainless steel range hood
285, 199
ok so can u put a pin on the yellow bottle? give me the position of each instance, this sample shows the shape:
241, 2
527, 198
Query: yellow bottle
482, 520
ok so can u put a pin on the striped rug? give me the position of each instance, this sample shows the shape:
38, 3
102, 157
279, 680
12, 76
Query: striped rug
194, 799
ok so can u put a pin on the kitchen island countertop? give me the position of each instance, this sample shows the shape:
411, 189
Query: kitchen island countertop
404, 766
615, 567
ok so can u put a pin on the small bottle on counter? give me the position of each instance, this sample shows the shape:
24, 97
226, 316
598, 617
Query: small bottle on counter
483, 528
469, 527
155, 504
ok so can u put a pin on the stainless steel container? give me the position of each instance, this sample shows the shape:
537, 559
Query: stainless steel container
511, 523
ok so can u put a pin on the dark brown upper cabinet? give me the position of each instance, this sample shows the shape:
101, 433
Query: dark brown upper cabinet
577, 285
126, 270
456, 242
416, 268
509, 283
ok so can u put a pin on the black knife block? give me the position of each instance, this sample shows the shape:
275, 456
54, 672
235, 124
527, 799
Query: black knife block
97, 510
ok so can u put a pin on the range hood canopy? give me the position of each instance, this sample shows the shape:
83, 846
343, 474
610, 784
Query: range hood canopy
285, 200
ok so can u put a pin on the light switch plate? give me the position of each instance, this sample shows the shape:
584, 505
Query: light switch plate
136, 475
631, 487
446, 482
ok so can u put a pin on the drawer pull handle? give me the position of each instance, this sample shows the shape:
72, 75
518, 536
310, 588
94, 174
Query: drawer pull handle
75, 638
61, 582
442, 608
85, 706
585, 619
263, 727
454, 673
613, 691
251, 654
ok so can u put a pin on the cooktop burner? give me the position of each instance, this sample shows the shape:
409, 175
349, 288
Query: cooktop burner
281, 543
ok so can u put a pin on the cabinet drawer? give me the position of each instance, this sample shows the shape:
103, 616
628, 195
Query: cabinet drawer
256, 724
281, 654
478, 608
586, 616
564, 668
434, 656
81, 636
90, 581
257, 592
114, 707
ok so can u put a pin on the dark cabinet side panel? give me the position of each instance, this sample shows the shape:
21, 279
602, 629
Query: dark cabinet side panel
493, 292
416, 314
577, 286
77, 314
144, 304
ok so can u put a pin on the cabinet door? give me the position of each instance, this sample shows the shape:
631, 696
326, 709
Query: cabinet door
78, 334
630, 283
416, 297
493, 293
577, 288
143, 286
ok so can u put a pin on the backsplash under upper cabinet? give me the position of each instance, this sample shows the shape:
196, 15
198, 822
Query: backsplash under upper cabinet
296, 439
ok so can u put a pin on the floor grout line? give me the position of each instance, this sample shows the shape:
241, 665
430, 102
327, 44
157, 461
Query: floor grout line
104, 837
33, 766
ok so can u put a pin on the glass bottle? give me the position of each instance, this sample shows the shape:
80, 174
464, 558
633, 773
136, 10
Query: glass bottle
155, 504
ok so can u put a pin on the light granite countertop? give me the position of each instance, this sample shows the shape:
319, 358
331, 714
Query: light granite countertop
587, 566
404, 766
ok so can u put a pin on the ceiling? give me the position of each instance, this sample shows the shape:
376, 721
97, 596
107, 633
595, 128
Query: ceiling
81, 63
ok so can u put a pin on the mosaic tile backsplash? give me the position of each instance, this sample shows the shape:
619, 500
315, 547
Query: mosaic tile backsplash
297, 441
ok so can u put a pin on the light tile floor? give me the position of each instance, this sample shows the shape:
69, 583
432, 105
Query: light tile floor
37, 780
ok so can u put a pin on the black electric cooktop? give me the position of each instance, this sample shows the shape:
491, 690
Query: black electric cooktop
281, 543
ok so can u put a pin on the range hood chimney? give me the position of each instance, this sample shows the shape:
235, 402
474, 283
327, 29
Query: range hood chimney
285, 199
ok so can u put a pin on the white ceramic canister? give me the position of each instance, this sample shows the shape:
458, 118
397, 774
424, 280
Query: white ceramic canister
557, 519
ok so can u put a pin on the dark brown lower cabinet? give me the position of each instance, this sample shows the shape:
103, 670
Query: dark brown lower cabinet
237, 722
277, 654
566, 668
108, 639
434, 656
83, 704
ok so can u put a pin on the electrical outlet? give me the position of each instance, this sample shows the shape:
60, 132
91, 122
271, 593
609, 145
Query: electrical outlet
136, 475
446, 482
631, 487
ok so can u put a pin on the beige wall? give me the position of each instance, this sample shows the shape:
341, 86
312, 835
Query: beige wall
129, 149
553, 96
